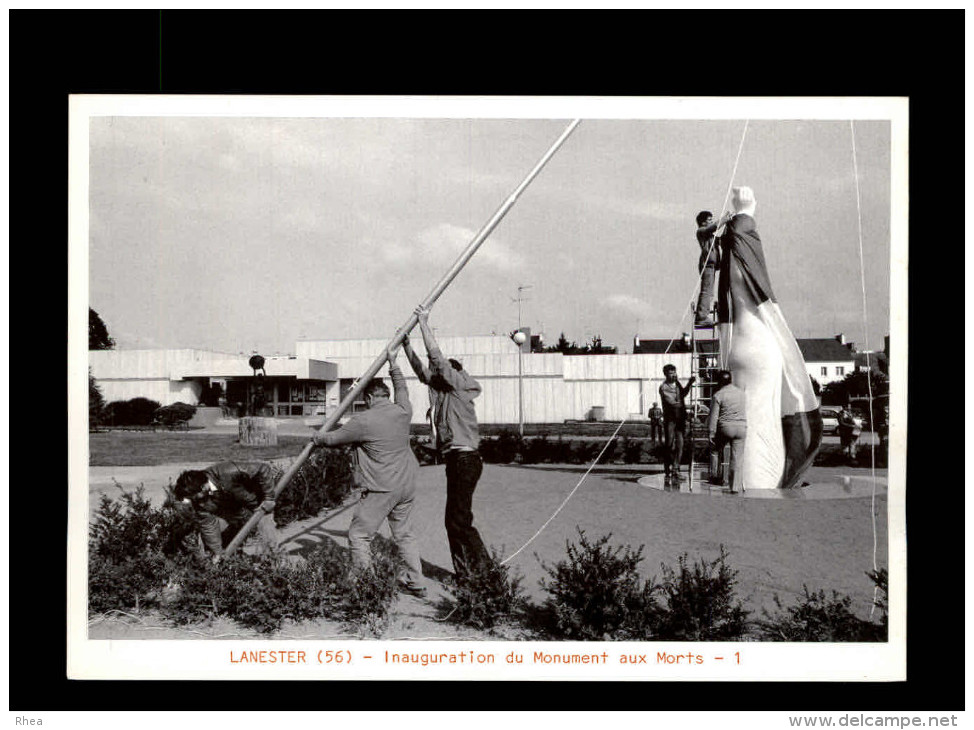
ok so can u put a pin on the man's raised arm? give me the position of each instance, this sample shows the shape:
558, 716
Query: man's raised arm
422, 372
399, 388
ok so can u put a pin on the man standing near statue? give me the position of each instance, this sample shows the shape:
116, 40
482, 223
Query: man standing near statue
453, 391
673, 397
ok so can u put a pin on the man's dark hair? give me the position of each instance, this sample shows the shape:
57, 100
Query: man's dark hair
376, 387
702, 216
456, 364
724, 378
189, 483
668, 368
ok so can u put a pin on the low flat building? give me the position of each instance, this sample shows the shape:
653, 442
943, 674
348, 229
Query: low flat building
556, 387
293, 386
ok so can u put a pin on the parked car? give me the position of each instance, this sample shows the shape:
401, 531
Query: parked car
830, 420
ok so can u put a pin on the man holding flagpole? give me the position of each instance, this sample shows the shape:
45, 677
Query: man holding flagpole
457, 436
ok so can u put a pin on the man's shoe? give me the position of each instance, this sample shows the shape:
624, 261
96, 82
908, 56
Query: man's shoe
415, 591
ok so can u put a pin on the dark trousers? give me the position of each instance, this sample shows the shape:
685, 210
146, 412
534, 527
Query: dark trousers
463, 469
656, 431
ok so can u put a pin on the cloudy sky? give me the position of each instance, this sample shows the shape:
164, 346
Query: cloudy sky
244, 233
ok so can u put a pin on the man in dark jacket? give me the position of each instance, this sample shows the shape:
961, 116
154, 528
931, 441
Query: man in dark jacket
707, 264
230, 491
457, 435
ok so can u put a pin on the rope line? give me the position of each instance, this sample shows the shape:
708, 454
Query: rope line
713, 239
509, 558
865, 342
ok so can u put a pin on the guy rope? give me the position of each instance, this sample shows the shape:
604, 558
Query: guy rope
404, 330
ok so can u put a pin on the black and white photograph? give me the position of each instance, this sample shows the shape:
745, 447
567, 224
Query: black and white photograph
486, 388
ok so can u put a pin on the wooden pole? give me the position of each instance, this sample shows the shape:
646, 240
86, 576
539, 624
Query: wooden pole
405, 329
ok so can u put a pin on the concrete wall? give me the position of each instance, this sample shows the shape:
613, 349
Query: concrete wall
163, 391
556, 388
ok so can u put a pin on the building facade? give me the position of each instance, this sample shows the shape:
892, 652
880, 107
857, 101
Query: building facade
543, 387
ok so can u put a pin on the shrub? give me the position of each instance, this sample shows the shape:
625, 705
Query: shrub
596, 594
324, 480
126, 564
701, 605
487, 594
134, 412
174, 415
424, 450
817, 617
632, 451
536, 450
502, 449
262, 591
368, 594
135, 562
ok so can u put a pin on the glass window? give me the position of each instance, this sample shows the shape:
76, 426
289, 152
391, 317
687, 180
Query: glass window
316, 393
282, 410
297, 393
825, 370
839, 370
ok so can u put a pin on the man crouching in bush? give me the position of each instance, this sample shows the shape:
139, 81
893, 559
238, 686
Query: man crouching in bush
231, 491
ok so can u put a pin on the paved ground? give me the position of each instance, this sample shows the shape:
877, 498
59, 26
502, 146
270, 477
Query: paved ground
777, 545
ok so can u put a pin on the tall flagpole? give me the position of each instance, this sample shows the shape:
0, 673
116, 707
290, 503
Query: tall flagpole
404, 330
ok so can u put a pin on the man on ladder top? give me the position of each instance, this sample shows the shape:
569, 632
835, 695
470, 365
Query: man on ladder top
707, 264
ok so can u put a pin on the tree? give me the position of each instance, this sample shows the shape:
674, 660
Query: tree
595, 347
563, 346
96, 402
98, 337
855, 385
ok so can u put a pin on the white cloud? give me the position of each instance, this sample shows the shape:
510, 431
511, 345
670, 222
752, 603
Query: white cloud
443, 243
626, 303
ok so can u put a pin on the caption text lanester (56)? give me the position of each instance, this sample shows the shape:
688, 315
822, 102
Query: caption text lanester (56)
330, 656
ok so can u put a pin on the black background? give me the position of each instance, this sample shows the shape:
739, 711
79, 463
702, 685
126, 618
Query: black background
919, 55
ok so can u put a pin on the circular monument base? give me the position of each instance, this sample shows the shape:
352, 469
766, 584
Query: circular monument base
838, 486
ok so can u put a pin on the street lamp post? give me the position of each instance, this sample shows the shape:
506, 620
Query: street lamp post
519, 339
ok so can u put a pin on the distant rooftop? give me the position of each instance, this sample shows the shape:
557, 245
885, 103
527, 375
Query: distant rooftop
825, 349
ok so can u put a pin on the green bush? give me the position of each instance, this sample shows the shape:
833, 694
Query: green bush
632, 450
134, 562
134, 412
423, 449
501, 449
701, 605
536, 450
597, 594
126, 562
487, 594
817, 617
174, 415
324, 480
368, 594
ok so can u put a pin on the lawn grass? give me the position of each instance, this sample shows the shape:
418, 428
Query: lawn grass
142, 448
